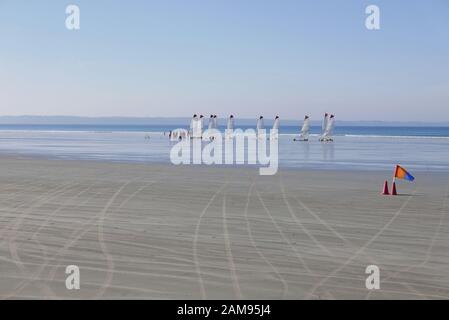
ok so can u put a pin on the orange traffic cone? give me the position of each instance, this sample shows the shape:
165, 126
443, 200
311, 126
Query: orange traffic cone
385, 192
394, 192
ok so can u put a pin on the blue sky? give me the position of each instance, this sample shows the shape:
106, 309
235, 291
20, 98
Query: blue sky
247, 57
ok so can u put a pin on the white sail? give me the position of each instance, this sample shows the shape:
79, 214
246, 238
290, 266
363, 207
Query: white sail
201, 123
211, 124
260, 124
276, 124
260, 128
212, 132
330, 126
324, 125
274, 133
327, 135
192, 125
230, 125
304, 134
215, 122
192, 122
197, 130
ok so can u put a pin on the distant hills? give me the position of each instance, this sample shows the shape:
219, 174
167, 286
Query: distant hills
75, 120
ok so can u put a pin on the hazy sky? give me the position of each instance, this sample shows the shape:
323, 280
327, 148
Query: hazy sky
247, 57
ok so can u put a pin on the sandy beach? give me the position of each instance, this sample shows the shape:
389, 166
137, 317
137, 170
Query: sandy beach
167, 232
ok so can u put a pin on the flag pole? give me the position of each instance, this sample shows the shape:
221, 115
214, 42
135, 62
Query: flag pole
394, 174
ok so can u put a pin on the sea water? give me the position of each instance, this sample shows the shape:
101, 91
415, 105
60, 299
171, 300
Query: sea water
366, 148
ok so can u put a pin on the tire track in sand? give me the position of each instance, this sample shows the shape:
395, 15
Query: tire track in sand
195, 240
430, 247
361, 249
259, 252
230, 257
339, 236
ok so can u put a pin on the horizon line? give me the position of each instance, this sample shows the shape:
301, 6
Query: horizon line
186, 117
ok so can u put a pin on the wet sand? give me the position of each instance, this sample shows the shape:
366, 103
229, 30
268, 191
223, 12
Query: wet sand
167, 232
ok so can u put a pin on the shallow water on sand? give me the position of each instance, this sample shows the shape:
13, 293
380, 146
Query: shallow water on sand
367, 152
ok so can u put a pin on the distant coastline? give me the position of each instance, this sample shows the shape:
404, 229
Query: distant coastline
79, 120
